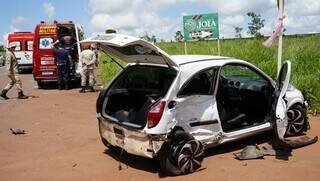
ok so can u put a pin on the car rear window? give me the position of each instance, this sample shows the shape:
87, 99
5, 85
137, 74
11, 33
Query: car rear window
147, 78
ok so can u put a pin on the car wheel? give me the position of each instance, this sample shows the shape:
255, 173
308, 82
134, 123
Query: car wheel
40, 84
182, 154
297, 120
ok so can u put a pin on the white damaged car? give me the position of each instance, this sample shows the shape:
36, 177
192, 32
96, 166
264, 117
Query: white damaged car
174, 107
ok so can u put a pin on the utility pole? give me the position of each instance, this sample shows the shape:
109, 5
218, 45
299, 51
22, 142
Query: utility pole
280, 14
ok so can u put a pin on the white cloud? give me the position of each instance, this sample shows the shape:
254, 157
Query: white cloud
233, 20
14, 28
18, 20
49, 9
136, 17
4, 39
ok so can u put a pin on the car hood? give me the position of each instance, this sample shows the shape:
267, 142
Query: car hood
131, 49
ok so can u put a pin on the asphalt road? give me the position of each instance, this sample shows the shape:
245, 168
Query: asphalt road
62, 143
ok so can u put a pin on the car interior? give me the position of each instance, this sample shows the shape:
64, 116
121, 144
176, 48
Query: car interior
133, 93
244, 97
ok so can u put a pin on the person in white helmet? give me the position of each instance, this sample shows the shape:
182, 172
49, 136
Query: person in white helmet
88, 60
12, 72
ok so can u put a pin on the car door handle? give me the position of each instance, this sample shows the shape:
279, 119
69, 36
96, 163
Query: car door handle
172, 104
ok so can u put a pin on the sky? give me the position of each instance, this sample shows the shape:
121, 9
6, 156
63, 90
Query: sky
161, 18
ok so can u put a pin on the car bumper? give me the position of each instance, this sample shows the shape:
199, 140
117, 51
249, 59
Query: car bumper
25, 66
136, 142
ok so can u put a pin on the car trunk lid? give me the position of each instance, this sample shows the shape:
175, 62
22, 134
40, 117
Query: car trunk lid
131, 49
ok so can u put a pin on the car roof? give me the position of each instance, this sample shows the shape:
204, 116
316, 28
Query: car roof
182, 60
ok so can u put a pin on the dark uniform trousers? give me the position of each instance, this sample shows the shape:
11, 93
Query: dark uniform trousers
63, 73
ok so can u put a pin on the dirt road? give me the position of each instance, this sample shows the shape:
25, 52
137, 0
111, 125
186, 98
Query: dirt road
62, 143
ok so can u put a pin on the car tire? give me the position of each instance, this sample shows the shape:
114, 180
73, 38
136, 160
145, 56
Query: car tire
297, 120
181, 154
40, 84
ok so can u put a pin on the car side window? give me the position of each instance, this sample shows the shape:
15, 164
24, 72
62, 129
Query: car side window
200, 84
239, 71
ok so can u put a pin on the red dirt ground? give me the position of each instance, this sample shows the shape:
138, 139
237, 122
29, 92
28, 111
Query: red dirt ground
62, 143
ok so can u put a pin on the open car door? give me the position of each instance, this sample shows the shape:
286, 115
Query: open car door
131, 49
280, 106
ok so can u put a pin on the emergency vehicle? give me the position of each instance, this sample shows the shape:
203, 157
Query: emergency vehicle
44, 63
23, 50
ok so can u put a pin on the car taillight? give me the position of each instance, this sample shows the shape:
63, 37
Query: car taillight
155, 113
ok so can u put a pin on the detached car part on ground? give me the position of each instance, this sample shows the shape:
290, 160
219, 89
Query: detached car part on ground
173, 107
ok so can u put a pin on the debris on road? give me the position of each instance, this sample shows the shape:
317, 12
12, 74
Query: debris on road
249, 152
17, 131
278, 149
268, 150
244, 164
32, 96
301, 142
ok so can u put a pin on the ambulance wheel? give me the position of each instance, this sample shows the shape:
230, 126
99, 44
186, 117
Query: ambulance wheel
297, 120
40, 84
181, 154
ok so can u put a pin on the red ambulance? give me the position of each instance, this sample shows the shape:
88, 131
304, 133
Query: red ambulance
44, 63
23, 51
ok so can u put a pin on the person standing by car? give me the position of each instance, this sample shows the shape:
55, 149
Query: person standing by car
88, 60
12, 68
63, 59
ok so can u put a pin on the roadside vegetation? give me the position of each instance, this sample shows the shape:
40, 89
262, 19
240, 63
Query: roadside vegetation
302, 51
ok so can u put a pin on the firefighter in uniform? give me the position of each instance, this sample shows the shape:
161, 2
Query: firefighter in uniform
12, 68
88, 60
63, 58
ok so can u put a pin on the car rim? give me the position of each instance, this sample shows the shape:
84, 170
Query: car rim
190, 156
295, 121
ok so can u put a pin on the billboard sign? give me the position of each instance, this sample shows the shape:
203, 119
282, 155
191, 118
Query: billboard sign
201, 27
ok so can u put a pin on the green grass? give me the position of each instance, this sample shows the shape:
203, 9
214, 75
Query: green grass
302, 51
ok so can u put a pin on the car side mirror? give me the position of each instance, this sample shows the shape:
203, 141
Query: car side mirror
172, 104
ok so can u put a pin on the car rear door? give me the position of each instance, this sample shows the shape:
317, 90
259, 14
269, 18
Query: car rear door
195, 108
279, 105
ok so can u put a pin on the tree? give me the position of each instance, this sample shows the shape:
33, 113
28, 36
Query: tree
238, 30
1, 48
178, 36
149, 38
255, 25
153, 39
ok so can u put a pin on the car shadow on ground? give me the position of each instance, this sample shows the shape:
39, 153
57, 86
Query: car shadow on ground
152, 165
25, 72
133, 161
54, 85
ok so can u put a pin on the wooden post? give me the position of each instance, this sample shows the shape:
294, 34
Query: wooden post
280, 5
185, 48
